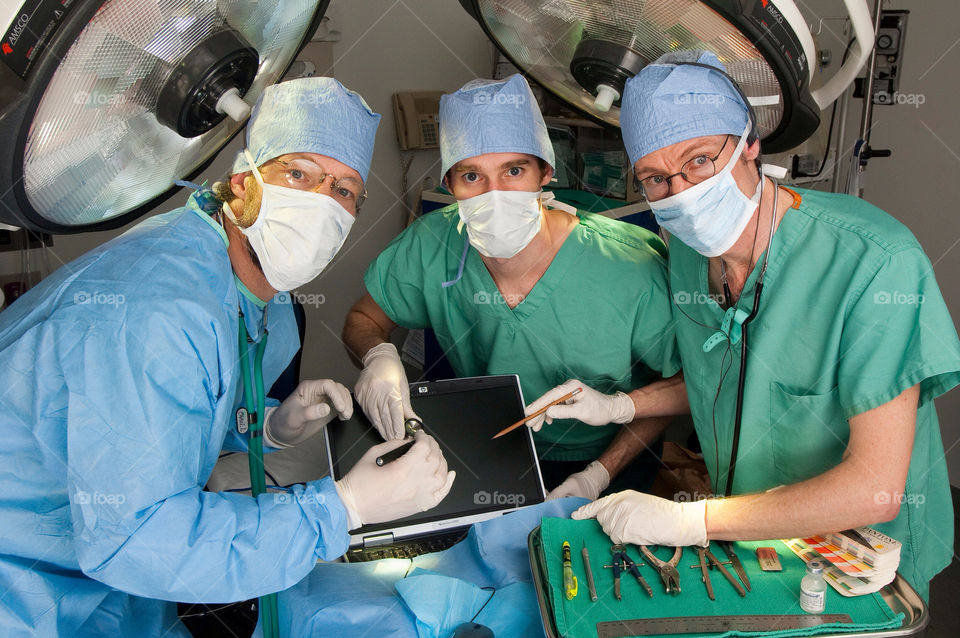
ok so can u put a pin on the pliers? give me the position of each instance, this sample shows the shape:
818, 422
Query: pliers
622, 562
667, 569
707, 561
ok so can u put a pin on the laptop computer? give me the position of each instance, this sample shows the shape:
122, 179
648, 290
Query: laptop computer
493, 476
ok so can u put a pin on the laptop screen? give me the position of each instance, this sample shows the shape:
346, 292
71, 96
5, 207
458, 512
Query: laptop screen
493, 476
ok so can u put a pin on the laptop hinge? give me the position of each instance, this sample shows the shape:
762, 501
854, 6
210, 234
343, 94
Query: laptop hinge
377, 539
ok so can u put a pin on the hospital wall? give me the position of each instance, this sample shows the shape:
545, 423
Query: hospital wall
386, 47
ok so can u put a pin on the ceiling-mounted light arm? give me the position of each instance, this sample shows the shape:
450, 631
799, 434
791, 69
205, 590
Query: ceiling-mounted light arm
862, 24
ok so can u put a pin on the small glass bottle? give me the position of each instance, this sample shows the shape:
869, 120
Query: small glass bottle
813, 589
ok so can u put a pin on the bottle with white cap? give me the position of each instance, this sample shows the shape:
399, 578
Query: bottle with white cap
813, 589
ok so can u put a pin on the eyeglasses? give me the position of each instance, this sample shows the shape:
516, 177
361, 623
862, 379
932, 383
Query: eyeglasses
305, 175
694, 170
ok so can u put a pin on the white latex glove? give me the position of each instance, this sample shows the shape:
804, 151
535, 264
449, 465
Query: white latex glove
304, 413
587, 483
589, 406
642, 519
415, 482
383, 392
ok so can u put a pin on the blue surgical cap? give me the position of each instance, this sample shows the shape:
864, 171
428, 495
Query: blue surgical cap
670, 102
311, 115
488, 116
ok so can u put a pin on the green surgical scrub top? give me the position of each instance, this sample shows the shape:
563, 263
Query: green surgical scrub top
850, 316
600, 313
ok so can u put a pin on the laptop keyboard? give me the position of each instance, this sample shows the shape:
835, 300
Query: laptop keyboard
407, 549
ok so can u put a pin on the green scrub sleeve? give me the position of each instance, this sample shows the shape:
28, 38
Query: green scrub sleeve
898, 334
397, 277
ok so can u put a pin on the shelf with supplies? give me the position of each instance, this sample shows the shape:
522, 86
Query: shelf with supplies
592, 158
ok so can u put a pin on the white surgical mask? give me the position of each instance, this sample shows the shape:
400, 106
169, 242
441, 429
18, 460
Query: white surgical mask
501, 223
296, 233
709, 216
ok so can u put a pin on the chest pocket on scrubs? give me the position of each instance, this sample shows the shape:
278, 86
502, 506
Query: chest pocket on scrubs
809, 433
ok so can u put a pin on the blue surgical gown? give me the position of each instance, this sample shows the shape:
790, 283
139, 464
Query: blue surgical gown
121, 378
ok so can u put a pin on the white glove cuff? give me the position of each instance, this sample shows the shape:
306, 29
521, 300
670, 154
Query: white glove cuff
625, 410
599, 476
346, 497
267, 439
694, 524
380, 350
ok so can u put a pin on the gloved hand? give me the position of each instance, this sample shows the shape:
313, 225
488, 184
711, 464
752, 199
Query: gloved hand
588, 483
415, 482
383, 392
589, 406
304, 413
643, 519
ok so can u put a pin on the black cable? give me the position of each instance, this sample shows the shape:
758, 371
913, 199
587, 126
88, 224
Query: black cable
492, 590
826, 150
738, 414
271, 477
833, 113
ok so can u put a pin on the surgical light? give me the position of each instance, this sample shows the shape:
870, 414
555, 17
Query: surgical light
104, 104
583, 51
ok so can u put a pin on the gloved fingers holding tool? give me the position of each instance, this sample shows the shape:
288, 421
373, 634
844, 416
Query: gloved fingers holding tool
643, 519
383, 391
415, 482
304, 413
586, 405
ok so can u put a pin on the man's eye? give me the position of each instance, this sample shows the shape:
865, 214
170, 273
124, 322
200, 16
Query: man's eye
296, 173
655, 179
470, 177
345, 194
700, 160
515, 171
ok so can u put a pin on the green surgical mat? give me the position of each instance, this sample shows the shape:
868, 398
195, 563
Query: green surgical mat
774, 593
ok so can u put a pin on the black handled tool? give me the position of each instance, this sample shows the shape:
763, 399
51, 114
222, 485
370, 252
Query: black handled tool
395, 453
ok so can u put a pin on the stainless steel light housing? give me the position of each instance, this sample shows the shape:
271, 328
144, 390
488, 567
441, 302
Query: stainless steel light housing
583, 51
105, 103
